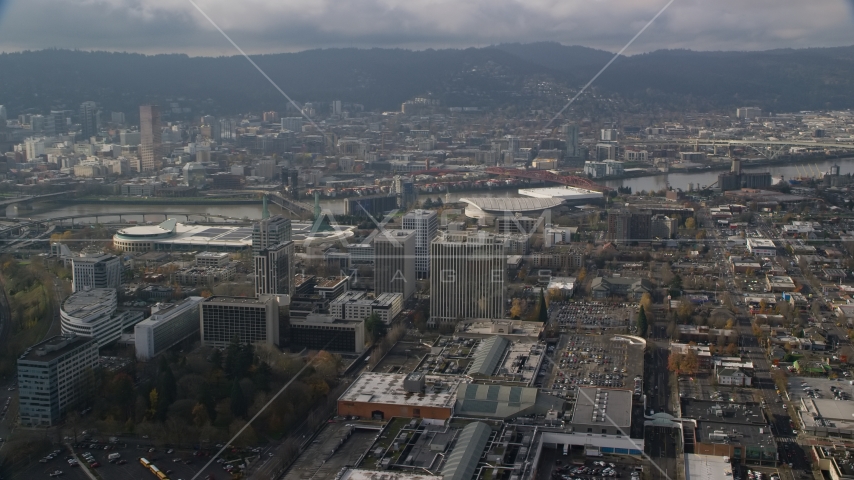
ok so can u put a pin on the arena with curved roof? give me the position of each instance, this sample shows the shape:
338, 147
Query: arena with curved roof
486, 209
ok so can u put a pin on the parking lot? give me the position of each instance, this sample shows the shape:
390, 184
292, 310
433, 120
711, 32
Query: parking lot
814, 387
555, 465
599, 360
177, 464
593, 315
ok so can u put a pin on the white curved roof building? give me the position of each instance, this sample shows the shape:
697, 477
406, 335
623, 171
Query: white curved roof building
92, 313
486, 209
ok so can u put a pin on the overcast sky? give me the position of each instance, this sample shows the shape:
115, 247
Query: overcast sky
267, 26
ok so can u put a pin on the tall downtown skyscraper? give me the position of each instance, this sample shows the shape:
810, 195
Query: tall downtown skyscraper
274, 270
570, 135
426, 224
269, 232
394, 262
467, 276
150, 137
89, 119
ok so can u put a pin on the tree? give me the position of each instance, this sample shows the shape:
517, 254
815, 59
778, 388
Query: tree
731, 349
729, 324
582, 274
701, 235
216, 359
674, 362
685, 310
691, 363
153, 401
542, 309
671, 329
646, 302
642, 322
375, 327
517, 308
239, 405
690, 223
200, 415
121, 393
676, 283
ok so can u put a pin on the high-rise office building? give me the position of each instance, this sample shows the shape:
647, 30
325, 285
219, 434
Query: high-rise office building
88, 119
3, 116
57, 123
336, 107
274, 270
627, 226
227, 130
570, 135
293, 124
394, 262
467, 276
270, 231
168, 325
150, 137
100, 270
55, 376
426, 224
250, 320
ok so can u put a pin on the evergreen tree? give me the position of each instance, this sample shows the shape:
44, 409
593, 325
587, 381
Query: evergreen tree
239, 405
375, 326
642, 323
206, 398
542, 308
231, 353
216, 359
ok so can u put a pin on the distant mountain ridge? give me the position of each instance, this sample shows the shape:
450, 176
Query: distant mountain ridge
777, 80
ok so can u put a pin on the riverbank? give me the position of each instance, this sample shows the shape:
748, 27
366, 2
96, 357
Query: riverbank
122, 200
717, 167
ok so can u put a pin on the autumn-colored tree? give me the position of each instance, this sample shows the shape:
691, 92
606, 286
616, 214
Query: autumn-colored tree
200, 415
731, 349
701, 235
646, 302
690, 363
518, 307
729, 324
152, 403
685, 310
206, 293
582, 274
690, 223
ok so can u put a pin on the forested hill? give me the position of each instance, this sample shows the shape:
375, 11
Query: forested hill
777, 80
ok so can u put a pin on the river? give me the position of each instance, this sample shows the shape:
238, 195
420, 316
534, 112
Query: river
681, 180
253, 212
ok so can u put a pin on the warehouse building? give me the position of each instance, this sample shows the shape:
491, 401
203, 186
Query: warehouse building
384, 395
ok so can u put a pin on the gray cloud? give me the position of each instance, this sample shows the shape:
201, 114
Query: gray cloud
264, 26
